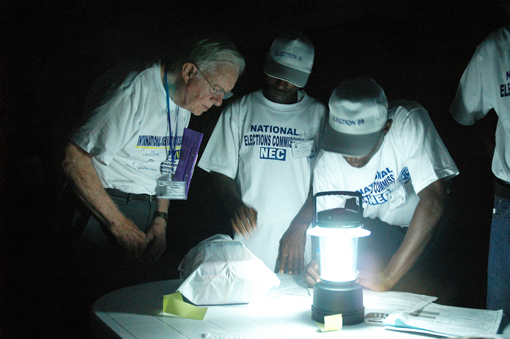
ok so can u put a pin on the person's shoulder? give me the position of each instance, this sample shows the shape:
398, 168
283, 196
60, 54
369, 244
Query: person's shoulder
239, 106
146, 70
309, 97
309, 100
125, 73
403, 108
327, 160
255, 95
117, 80
500, 33
246, 99
498, 37
130, 69
404, 112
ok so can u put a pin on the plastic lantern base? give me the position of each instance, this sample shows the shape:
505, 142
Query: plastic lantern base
344, 298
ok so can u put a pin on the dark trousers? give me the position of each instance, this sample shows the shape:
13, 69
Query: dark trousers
498, 279
93, 265
94, 241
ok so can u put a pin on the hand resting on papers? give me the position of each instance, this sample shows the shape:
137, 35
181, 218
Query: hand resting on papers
312, 272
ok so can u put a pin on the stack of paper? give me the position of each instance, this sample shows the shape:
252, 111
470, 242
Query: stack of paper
446, 321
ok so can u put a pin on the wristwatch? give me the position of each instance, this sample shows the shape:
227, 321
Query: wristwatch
162, 215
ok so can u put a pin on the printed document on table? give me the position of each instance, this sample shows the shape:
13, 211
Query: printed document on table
381, 302
447, 321
391, 302
290, 286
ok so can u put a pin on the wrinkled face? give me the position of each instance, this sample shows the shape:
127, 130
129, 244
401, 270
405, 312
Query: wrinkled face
280, 91
198, 95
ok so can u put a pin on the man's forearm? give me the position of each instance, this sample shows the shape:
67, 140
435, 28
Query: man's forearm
243, 218
227, 190
305, 215
77, 166
421, 229
162, 206
293, 241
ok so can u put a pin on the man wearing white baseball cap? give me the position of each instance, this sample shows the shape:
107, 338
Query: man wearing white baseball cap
262, 150
394, 157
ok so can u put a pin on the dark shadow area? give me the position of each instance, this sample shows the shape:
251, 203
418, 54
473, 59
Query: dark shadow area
53, 51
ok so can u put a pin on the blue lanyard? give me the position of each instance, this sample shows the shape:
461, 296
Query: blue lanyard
173, 139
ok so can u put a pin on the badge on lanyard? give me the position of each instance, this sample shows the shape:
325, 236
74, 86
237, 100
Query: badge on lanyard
167, 187
170, 189
175, 185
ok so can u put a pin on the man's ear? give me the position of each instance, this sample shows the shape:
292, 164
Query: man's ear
387, 126
189, 71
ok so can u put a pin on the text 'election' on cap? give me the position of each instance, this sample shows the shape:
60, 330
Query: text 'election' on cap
358, 111
290, 58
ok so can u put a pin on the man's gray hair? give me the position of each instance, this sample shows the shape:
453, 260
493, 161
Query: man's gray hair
210, 52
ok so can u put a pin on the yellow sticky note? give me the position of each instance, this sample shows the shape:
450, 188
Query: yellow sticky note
331, 323
174, 304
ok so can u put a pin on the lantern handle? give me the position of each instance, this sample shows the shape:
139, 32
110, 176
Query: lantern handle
345, 193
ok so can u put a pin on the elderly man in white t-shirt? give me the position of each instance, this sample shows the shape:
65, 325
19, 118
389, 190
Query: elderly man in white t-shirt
131, 135
394, 157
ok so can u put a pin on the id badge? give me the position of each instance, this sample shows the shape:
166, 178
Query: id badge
171, 189
397, 196
302, 148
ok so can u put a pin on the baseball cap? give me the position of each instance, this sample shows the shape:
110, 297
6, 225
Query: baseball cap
290, 58
358, 111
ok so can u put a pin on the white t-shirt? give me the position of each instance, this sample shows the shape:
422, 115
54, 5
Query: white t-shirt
485, 85
269, 149
128, 133
411, 157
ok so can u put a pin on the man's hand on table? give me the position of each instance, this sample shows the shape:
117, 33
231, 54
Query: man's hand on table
292, 249
312, 272
375, 281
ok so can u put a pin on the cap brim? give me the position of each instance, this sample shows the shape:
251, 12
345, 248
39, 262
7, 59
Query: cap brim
294, 76
349, 145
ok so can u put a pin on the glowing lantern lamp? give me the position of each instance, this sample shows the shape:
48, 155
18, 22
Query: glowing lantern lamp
338, 230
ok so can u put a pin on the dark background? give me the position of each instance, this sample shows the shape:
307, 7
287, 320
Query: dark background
51, 51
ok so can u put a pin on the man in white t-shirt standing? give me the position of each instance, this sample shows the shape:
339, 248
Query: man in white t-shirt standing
261, 154
132, 134
485, 85
394, 157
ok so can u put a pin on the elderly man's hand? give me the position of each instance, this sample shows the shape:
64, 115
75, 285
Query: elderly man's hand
155, 241
130, 239
312, 272
375, 281
244, 220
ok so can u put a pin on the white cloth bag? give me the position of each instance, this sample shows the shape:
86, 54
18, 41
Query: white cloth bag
221, 271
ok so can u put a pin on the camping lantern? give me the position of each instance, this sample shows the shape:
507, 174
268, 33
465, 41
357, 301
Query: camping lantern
338, 230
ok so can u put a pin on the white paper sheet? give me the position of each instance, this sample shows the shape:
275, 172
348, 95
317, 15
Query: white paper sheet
391, 302
447, 321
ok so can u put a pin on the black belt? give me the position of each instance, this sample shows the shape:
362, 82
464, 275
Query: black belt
501, 188
130, 196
